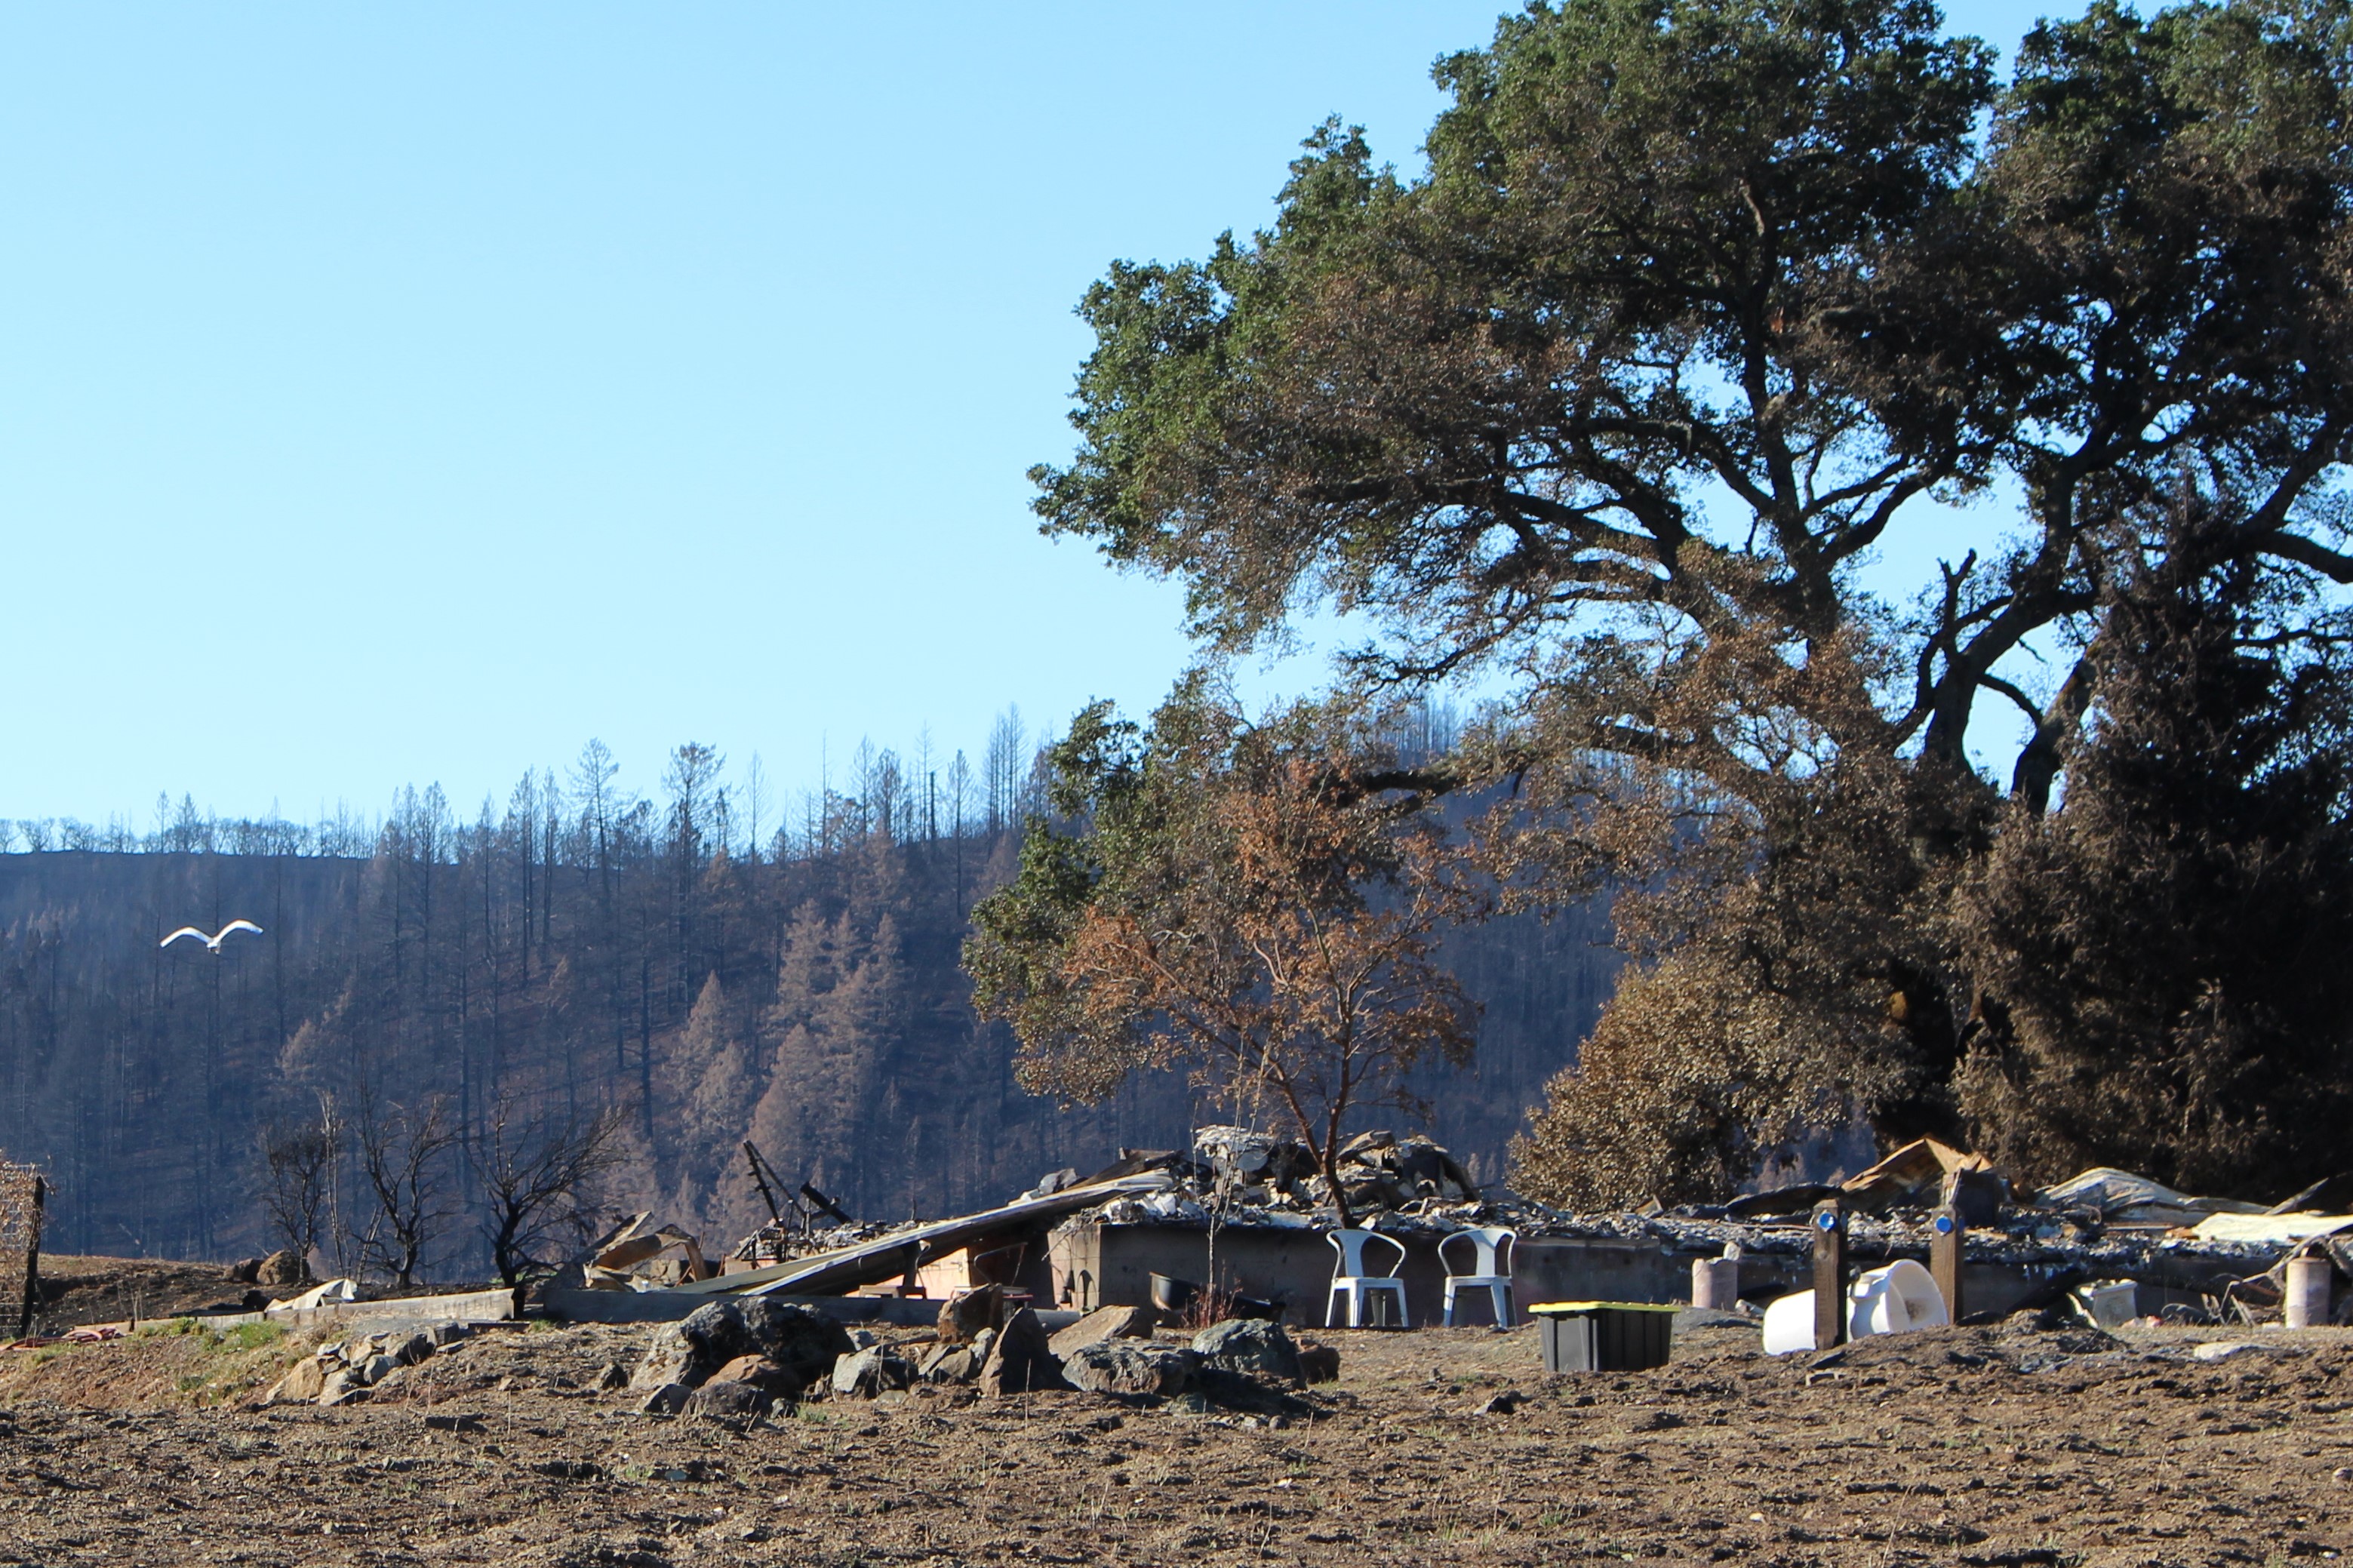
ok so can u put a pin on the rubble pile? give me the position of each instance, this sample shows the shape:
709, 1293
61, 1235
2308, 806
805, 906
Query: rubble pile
2102, 1223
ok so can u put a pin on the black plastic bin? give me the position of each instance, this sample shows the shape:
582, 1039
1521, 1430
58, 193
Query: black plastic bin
1604, 1336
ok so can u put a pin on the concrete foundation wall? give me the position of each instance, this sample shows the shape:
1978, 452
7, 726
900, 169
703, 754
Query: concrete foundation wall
1112, 1264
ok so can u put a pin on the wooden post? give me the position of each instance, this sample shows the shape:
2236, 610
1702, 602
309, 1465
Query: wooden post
1830, 1274
1947, 1248
31, 1302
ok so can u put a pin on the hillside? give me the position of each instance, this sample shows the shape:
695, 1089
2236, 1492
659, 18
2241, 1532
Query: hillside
809, 999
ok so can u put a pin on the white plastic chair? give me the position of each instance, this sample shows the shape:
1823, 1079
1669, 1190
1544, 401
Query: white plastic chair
1491, 1269
1351, 1277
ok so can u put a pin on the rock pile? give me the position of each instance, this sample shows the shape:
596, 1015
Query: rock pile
349, 1371
741, 1359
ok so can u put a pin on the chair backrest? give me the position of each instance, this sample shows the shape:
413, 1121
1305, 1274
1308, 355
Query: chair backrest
1350, 1245
1493, 1244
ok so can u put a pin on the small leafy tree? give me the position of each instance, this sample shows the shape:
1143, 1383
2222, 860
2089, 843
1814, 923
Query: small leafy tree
1248, 902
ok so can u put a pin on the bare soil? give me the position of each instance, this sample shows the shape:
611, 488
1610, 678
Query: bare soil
2009, 1445
78, 1290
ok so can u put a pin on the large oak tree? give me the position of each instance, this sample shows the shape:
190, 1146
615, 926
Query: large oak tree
1699, 306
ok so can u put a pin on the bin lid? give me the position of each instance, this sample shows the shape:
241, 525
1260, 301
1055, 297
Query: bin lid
1566, 1308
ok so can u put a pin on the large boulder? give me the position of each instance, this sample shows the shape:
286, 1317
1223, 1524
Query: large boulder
802, 1343
727, 1399
801, 1340
1021, 1358
1114, 1368
1104, 1323
965, 1317
1251, 1346
284, 1266
689, 1353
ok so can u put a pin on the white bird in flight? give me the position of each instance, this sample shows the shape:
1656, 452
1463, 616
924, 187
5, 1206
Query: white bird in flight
214, 941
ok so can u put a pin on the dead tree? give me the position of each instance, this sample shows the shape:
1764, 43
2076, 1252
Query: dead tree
403, 1155
535, 1174
298, 1161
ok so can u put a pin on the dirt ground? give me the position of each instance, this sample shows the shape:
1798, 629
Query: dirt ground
2007, 1445
78, 1290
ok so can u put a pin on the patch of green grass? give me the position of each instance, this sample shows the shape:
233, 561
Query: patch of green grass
192, 1382
252, 1336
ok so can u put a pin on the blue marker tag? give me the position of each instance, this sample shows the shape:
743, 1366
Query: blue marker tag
1827, 1221
1944, 1225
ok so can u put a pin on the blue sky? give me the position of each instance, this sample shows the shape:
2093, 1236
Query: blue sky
402, 394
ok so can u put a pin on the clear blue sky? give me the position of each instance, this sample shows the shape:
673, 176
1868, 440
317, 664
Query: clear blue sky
402, 394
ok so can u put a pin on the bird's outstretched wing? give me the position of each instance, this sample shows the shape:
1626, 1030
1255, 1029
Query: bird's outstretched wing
184, 930
237, 925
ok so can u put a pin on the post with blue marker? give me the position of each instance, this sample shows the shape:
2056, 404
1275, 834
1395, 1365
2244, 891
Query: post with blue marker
1946, 1242
1830, 1274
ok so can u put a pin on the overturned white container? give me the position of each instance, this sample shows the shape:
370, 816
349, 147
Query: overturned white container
1789, 1324
1890, 1300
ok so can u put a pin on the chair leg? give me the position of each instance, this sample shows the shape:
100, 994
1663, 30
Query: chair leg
1503, 1295
1448, 1318
1331, 1301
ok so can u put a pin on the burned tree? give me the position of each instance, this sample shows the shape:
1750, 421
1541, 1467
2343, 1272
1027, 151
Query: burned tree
297, 1162
1248, 902
405, 1156
537, 1173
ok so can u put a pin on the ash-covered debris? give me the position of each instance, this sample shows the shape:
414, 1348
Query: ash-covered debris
2104, 1223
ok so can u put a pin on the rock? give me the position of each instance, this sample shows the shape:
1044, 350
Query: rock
391, 1381
1104, 1323
1020, 1359
612, 1375
1250, 1345
342, 1387
690, 1352
302, 1383
801, 1340
760, 1373
872, 1371
415, 1348
1114, 1368
1318, 1364
723, 1397
667, 1400
860, 1338
2224, 1349
963, 1318
448, 1333
373, 1369
245, 1270
1502, 1403
470, 1421
284, 1266
949, 1363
